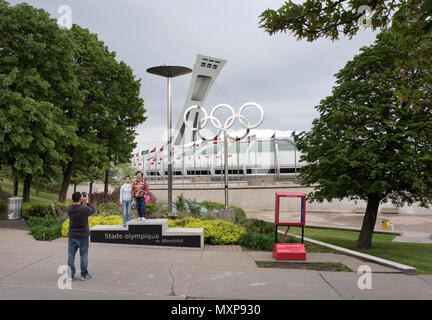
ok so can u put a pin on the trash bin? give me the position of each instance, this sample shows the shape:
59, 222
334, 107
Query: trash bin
14, 207
385, 224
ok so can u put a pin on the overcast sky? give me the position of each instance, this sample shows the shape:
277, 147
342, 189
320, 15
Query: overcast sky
286, 77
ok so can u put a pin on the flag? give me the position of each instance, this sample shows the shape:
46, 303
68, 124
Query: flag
154, 149
293, 134
145, 152
137, 155
251, 138
273, 136
161, 149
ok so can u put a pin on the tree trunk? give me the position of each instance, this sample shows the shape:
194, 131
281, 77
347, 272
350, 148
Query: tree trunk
15, 187
37, 187
106, 182
26, 189
75, 186
365, 239
67, 174
90, 190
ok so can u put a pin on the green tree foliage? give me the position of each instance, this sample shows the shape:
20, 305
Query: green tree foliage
111, 109
65, 101
411, 19
314, 19
367, 143
36, 80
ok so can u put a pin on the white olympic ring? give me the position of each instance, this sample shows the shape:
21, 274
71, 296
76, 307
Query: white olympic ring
228, 122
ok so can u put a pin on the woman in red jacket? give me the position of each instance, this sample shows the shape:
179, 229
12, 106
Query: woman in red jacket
139, 192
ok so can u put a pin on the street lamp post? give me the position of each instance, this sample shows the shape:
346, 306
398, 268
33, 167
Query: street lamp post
169, 72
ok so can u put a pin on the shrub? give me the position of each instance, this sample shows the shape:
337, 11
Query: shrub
215, 231
194, 208
156, 210
180, 203
259, 226
108, 208
45, 228
211, 205
46, 233
45, 208
240, 215
261, 241
94, 221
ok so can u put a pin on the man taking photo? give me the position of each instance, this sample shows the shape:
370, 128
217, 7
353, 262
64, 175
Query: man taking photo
79, 232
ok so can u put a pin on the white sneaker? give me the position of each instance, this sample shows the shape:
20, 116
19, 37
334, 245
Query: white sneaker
143, 218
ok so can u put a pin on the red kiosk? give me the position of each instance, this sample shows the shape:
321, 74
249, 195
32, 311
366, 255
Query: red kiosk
290, 251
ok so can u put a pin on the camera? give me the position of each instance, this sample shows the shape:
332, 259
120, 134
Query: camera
84, 194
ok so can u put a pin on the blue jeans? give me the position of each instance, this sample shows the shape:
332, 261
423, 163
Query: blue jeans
140, 202
126, 209
83, 245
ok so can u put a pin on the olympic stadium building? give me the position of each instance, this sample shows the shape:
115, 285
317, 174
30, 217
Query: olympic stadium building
260, 152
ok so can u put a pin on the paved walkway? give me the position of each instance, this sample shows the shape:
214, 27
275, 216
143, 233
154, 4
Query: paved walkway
28, 270
414, 227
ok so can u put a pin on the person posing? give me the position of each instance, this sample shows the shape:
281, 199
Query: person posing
79, 233
126, 199
139, 192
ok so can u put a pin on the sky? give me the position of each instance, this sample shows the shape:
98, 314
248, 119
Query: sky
288, 78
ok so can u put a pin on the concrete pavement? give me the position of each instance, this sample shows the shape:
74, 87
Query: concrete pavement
28, 270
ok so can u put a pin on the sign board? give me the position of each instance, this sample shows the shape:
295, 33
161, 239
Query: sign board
150, 232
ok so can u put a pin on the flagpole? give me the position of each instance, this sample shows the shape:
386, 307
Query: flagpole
194, 178
238, 162
208, 166
256, 161
295, 163
183, 161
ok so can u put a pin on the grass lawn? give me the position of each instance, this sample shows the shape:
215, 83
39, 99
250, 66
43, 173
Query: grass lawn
7, 186
417, 255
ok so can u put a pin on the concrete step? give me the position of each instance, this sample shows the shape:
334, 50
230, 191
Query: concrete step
149, 232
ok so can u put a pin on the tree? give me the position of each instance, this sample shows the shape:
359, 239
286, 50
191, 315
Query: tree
110, 111
313, 19
36, 81
367, 143
410, 19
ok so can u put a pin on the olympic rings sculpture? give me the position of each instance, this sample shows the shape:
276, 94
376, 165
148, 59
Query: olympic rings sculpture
228, 122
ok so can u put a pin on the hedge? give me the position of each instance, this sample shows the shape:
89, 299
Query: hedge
45, 208
44, 228
215, 231
94, 221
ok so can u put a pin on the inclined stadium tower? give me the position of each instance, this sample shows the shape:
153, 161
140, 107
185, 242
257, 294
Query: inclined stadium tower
262, 153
